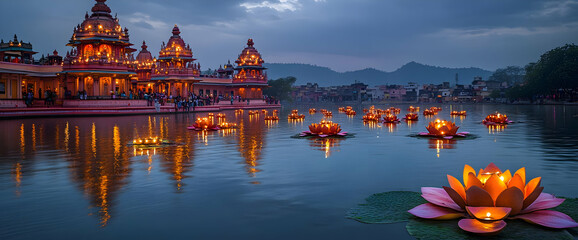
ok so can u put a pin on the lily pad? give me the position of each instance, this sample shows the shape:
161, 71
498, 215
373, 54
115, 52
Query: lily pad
516, 229
387, 207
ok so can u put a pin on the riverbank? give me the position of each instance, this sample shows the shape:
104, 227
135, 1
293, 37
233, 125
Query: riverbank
78, 108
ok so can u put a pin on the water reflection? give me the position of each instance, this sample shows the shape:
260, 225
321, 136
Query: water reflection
439, 144
250, 137
495, 129
326, 145
391, 127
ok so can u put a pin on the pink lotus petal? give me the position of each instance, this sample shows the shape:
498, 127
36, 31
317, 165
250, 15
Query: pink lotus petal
431, 211
439, 197
548, 218
342, 134
543, 204
481, 228
423, 134
465, 133
302, 135
448, 137
323, 135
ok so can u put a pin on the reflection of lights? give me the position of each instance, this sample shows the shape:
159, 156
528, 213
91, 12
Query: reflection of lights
66, 136
22, 140
103, 197
390, 127
93, 138
371, 124
116, 141
34, 137
493, 129
17, 172
326, 145
439, 144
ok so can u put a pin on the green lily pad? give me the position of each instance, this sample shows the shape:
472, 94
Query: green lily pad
516, 229
388, 207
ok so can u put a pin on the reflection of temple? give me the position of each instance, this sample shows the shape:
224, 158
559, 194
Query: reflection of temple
250, 143
100, 61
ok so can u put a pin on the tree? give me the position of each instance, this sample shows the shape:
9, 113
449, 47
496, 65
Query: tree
510, 74
280, 88
555, 72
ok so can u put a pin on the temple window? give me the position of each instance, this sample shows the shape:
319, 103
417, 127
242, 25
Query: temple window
88, 51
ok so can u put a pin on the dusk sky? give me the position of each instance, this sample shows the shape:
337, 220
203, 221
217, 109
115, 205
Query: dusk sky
341, 34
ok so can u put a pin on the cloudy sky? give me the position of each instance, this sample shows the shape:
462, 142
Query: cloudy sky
341, 34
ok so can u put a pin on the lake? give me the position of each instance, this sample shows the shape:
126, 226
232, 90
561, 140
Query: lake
80, 178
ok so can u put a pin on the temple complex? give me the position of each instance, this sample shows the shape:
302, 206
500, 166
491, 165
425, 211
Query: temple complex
101, 65
100, 61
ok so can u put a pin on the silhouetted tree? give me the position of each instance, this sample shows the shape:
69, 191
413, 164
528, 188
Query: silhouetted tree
280, 88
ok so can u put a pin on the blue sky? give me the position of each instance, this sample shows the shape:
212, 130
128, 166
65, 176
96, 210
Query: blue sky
341, 34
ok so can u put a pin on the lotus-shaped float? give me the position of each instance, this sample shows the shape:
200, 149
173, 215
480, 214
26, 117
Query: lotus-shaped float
489, 197
429, 112
271, 118
324, 129
295, 115
312, 110
411, 117
204, 124
496, 118
458, 113
413, 109
227, 125
443, 129
371, 117
390, 118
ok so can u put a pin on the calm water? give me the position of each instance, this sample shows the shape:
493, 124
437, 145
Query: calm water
78, 178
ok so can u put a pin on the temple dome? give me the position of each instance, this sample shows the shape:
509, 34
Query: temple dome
144, 55
176, 47
250, 56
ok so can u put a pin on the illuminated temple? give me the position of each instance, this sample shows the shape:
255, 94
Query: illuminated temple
102, 64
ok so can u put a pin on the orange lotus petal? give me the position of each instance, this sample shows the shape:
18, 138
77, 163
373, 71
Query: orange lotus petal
506, 176
456, 185
467, 170
481, 228
478, 197
522, 173
532, 197
473, 181
531, 186
492, 168
517, 181
494, 186
456, 197
512, 198
489, 213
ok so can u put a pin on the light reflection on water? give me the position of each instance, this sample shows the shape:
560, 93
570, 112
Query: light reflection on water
81, 175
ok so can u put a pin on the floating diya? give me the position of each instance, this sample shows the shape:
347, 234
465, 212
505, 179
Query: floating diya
147, 141
204, 124
350, 112
429, 112
328, 114
496, 118
251, 113
341, 110
458, 113
489, 197
271, 118
413, 109
371, 117
411, 117
227, 125
211, 114
295, 115
443, 129
221, 115
312, 110
324, 129
390, 118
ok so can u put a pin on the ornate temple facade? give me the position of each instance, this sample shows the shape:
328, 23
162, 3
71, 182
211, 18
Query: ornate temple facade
100, 61
101, 65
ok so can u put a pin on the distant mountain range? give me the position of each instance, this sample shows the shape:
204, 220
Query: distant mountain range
410, 72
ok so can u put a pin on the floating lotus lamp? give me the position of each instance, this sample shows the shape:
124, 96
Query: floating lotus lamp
370, 117
211, 114
271, 118
227, 125
147, 141
390, 118
435, 109
489, 197
395, 110
443, 129
264, 111
429, 112
350, 112
204, 124
328, 114
221, 116
324, 129
413, 109
458, 113
411, 117
496, 118
341, 109
312, 110
251, 113
275, 111
295, 115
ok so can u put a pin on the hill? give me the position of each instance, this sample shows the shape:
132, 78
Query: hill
410, 72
